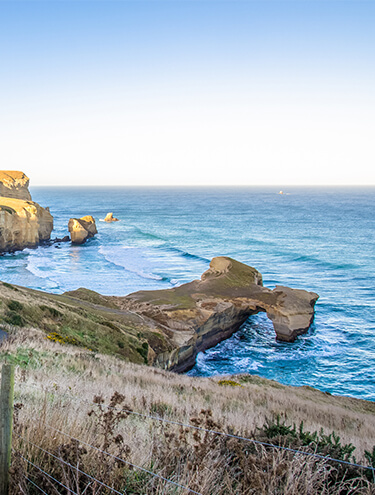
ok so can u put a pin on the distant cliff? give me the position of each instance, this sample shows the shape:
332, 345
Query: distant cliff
23, 223
14, 184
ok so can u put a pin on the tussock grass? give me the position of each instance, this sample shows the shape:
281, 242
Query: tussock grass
56, 383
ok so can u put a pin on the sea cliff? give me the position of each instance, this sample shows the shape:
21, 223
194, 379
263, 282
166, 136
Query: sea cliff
23, 223
165, 328
200, 314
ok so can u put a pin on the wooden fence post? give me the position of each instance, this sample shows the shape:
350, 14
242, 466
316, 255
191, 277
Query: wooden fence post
6, 425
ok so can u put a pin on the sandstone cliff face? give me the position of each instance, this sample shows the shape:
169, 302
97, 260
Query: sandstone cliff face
23, 223
14, 184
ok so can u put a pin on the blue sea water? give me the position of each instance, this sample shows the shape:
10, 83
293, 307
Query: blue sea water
315, 239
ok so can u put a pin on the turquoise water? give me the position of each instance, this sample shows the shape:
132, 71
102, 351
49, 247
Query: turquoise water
314, 239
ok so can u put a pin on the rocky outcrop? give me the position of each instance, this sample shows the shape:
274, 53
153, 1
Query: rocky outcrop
23, 223
57, 240
292, 312
165, 328
198, 315
82, 229
110, 218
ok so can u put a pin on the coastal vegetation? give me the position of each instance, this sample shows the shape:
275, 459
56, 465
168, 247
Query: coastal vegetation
83, 323
77, 404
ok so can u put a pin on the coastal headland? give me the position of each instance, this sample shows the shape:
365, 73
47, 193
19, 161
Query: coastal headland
165, 328
23, 223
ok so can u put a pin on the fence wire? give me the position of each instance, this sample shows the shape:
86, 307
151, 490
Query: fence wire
49, 475
214, 432
70, 465
124, 461
36, 486
106, 453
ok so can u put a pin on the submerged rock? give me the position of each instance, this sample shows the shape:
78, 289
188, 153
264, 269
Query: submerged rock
23, 223
66, 238
110, 218
82, 229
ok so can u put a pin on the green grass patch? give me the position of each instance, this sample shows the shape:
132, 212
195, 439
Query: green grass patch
15, 305
8, 209
9, 286
13, 318
24, 358
229, 383
55, 313
143, 351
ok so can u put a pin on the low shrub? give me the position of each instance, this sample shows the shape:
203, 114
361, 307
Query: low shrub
15, 305
55, 313
14, 318
143, 351
230, 383
328, 445
9, 286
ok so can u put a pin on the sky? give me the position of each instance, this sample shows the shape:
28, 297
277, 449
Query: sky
188, 92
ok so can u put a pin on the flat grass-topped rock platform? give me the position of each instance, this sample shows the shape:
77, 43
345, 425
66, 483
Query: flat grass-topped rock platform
166, 328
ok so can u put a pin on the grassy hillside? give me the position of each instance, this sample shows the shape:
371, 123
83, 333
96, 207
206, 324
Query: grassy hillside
82, 318
68, 388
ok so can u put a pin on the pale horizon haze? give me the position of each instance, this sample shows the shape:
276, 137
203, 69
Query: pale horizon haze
188, 92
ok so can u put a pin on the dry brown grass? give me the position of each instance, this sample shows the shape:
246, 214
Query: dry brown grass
57, 383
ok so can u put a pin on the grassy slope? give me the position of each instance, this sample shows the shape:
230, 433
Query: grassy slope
95, 327
90, 322
57, 383
84, 373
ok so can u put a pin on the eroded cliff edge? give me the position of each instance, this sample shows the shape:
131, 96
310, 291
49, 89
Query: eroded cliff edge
23, 223
202, 313
165, 328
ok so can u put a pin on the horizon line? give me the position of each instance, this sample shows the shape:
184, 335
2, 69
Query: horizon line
203, 185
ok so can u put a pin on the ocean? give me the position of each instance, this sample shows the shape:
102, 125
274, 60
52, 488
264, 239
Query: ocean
318, 239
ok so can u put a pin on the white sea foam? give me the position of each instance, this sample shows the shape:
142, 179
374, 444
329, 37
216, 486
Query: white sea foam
36, 264
132, 259
247, 364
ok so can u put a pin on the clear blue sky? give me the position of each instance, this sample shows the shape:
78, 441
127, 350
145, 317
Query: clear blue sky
188, 92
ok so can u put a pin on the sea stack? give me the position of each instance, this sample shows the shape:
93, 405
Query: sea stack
110, 218
82, 229
23, 223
